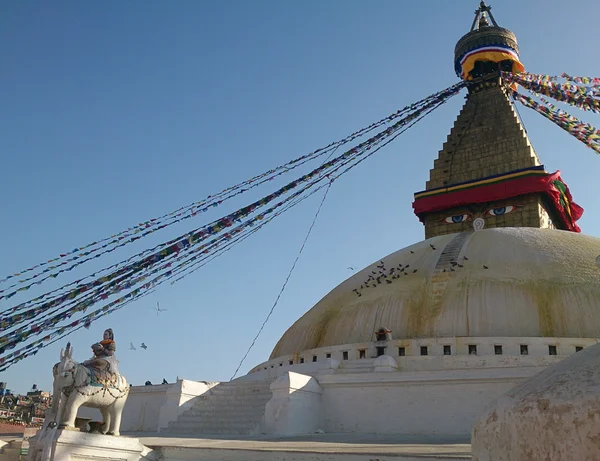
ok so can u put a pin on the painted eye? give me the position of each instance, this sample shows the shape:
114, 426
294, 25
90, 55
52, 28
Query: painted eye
457, 218
500, 210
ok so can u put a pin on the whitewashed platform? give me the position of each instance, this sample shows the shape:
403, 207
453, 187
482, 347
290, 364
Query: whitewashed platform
317, 447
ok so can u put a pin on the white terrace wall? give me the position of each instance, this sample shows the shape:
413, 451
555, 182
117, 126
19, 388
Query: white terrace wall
434, 396
150, 408
349, 358
429, 404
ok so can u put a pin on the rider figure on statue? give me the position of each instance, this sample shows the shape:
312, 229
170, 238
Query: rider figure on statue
104, 354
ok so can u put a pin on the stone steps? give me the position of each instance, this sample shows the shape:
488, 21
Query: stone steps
222, 408
237, 396
239, 390
198, 429
216, 424
217, 412
231, 408
208, 431
444, 267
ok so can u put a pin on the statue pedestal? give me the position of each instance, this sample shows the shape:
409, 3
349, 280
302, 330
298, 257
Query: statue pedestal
68, 445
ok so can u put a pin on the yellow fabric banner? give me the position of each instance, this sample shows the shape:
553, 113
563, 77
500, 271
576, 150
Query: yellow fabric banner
469, 61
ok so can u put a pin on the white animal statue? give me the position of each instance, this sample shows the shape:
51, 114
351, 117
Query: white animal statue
77, 385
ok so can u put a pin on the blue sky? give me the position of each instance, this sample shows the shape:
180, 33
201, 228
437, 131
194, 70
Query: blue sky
117, 112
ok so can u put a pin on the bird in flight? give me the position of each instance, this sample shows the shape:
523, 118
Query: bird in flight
131, 347
158, 309
143, 346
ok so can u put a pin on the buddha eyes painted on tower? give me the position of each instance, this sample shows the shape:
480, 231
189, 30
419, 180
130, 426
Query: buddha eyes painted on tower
485, 211
499, 211
458, 218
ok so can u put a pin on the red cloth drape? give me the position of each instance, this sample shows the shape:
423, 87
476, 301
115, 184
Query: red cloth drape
549, 184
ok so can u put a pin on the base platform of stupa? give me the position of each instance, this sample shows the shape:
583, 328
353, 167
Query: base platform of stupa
316, 447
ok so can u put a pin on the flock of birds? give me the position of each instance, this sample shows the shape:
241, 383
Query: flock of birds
375, 278
383, 275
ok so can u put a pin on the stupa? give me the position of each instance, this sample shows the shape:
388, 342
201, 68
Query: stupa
419, 342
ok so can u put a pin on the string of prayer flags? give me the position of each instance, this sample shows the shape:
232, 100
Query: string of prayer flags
593, 81
588, 81
178, 256
179, 243
586, 133
83, 254
583, 97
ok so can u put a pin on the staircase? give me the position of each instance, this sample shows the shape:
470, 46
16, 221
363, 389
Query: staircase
447, 264
228, 408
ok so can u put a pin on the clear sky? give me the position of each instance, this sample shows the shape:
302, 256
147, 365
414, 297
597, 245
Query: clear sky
116, 112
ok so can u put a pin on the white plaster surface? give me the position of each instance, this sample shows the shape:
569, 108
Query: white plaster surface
447, 391
554, 416
535, 283
64, 445
323, 447
537, 355
447, 401
151, 408
179, 398
235, 407
428, 404
142, 408
295, 407
385, 363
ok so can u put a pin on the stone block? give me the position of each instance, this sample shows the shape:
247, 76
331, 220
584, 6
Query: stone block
553, 416
179, 398
66, 445
385, 364
295, 407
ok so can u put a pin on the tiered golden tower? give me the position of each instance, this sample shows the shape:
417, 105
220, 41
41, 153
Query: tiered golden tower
484, 175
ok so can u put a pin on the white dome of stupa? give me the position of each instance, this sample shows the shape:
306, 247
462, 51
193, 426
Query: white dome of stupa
499, 282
